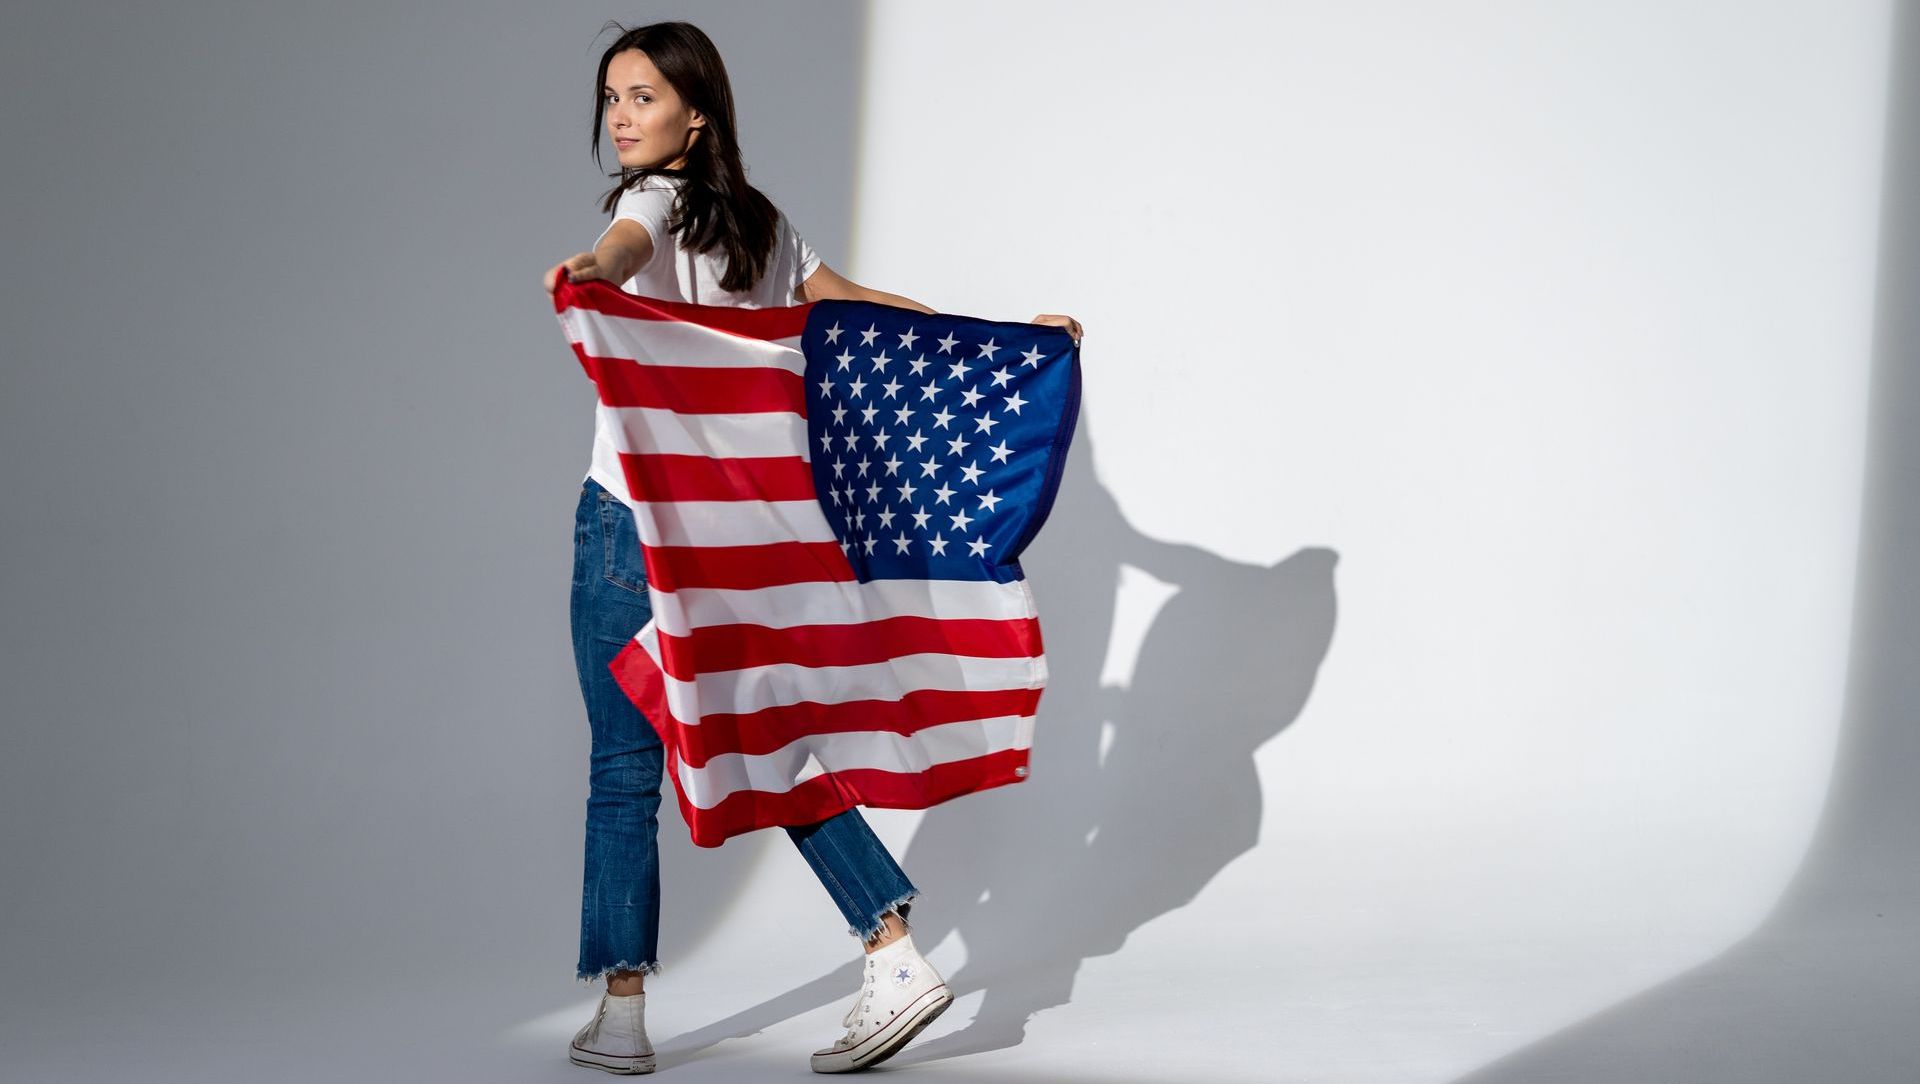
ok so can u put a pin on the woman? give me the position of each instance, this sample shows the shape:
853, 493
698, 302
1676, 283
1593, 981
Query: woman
688, 227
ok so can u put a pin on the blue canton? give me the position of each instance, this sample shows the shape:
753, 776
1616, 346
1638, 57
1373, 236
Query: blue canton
936, 441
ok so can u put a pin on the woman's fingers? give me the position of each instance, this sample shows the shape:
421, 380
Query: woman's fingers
583, 267
1071, 325
579, 267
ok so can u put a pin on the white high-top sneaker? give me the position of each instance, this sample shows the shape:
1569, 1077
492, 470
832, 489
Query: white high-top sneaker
900, 995
616, 1038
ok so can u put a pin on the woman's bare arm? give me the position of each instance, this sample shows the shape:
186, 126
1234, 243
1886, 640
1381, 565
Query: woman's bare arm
827, 284
623, 251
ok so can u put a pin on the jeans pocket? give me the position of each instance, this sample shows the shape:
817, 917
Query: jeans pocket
620, 541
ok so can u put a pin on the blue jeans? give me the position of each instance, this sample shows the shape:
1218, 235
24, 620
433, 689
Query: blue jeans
620, 897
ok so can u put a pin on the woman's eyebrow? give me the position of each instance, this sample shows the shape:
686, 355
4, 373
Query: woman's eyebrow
636, 86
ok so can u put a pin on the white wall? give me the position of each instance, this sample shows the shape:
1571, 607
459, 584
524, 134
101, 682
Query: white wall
1552, 323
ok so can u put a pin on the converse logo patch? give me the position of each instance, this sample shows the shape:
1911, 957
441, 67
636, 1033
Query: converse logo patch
902, 975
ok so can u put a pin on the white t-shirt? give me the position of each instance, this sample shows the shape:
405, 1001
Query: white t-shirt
673, 274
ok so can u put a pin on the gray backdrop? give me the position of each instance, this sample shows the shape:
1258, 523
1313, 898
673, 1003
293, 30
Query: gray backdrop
290, 448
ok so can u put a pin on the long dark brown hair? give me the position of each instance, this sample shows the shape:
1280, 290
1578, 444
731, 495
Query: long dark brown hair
716, 206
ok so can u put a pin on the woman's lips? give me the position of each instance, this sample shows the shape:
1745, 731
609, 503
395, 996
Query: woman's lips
625, 142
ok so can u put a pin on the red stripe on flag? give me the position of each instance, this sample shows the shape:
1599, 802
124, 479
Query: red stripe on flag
834, 793
601, 296
735, 647
702, 478
695, 389
764, 731
745, 568
640, 678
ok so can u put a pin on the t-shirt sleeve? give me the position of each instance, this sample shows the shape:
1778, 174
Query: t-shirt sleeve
805, 260
651, 207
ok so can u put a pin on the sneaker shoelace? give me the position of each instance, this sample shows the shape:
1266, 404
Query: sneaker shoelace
593, 1030
854, 1015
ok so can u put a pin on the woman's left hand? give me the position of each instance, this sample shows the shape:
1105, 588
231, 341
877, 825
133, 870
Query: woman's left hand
1068, 322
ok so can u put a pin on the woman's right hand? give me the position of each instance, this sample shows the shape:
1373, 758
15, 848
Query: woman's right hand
1066, 323
579, 268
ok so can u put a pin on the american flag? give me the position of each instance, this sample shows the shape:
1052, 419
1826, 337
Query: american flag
831, 500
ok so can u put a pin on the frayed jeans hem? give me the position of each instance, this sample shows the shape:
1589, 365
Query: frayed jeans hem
651, 967
899, 907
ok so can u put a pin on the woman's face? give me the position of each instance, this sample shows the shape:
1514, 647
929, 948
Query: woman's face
649, 124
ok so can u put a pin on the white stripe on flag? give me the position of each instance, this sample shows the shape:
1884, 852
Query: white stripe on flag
755, 688
653, 431
840, 603
730, 523
668, 342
